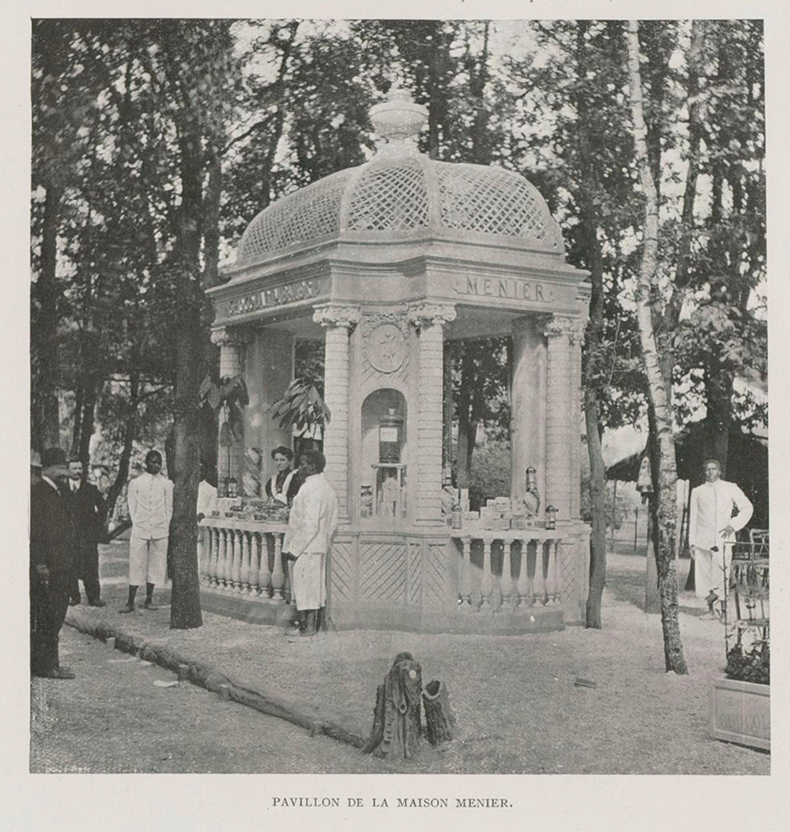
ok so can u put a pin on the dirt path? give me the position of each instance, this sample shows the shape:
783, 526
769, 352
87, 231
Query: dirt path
114, 718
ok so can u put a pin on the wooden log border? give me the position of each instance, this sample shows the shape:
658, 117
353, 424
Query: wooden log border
295, 711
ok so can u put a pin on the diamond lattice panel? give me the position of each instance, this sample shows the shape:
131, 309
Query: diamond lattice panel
435, 577
382, 571
341, 571
304, 215
389, 196
476, 198
415, 572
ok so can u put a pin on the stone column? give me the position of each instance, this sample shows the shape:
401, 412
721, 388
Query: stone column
562, 418
429, 319
338, 321
528, 415
231, 363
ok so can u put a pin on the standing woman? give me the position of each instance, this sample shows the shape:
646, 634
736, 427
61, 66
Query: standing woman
285, 484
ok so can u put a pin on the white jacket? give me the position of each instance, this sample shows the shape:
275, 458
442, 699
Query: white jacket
712, 507
150, 500
313, 518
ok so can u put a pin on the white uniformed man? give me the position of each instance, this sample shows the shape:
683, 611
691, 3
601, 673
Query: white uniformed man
150, 508
311, 524
712, 526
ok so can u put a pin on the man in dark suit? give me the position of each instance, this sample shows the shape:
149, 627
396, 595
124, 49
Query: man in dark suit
89, 513
53, 553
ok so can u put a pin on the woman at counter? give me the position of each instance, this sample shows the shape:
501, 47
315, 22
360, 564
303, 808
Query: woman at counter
285, 484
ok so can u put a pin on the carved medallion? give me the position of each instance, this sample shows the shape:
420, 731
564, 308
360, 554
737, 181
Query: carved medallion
387, 348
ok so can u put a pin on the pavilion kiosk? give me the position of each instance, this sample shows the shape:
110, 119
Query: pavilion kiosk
386, 263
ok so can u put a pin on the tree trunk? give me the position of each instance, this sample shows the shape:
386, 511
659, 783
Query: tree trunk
87, 424
664, 474
185, 612
129, 435
598, 500
592, 345
397, 725
718, 418
45, 430
440, 723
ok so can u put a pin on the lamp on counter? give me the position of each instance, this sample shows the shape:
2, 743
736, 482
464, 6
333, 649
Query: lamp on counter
551, 517
232, 487
532, 479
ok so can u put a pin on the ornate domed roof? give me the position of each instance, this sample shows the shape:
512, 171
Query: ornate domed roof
401, 193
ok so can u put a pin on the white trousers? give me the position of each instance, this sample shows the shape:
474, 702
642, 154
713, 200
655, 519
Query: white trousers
309, 581
709, 570
147, 560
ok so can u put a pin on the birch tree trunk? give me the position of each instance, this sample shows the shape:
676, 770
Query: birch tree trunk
665, 473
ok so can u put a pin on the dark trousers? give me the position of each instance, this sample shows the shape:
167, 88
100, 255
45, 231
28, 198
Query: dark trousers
48, 608
88, 572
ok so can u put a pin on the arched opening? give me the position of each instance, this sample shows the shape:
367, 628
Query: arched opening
384, 451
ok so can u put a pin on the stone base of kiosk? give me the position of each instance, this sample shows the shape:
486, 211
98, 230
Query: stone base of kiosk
414, 580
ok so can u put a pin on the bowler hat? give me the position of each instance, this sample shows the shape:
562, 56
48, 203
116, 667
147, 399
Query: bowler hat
53, 456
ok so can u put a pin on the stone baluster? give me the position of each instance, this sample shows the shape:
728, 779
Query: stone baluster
278, 576
551, 573
244, 571
264, 574
338, 321
201, 554
524, 583
222, 560
235, 543
506, 581
540, 573
254, 564
429, 319
487, 580
466, 575
212, 569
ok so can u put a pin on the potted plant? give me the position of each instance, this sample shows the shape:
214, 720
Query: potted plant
740, 703
302, 408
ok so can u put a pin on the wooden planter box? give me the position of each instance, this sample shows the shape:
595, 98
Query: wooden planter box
741, 713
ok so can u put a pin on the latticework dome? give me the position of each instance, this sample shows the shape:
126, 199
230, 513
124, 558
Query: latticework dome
402, 193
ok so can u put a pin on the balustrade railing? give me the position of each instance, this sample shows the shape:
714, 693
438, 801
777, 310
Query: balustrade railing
487, 580
499, 572
244, 559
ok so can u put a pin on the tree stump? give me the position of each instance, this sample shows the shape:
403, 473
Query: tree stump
440, 724
397, 726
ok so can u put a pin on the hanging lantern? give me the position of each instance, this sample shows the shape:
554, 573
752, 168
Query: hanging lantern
551, 517
532, 478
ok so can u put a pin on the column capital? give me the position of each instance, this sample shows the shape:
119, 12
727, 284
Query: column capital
331, 315
553, 326
235, 337
422, 315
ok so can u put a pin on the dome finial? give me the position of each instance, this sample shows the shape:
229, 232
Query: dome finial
398, 118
